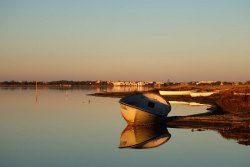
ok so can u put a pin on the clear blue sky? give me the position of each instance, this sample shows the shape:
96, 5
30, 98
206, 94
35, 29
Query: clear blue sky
157, 40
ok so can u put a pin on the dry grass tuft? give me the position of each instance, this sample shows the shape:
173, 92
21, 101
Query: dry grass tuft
236, 100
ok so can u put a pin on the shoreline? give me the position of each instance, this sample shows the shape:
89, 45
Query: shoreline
229, 114
227, 125
231, 100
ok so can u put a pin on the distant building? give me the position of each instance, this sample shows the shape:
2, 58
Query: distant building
159, 83
141, 83
118, 83
205, 82
130, 83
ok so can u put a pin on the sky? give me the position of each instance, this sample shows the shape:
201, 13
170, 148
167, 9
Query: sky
150, 40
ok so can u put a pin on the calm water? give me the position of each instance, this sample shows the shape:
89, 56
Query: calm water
68, 128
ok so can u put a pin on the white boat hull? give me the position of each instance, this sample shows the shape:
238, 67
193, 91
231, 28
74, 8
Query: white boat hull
134, 116
180, 93
174, 93
201, 94
144, 108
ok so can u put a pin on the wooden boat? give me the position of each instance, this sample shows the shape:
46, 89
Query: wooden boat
144, 108
143, 137
174, 93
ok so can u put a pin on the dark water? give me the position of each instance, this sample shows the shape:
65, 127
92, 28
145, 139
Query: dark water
68, 128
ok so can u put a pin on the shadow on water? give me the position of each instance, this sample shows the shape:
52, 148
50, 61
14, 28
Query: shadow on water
144, 137
240, 134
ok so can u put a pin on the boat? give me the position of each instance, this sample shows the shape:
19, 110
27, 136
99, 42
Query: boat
201, 94
188, 103
192, 93
242, 94
198, 104
174, 93
144, 137
179, 102
144, 108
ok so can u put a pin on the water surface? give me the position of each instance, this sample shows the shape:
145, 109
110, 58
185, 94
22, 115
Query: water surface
68, 128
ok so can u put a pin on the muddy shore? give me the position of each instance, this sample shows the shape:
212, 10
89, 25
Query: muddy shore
227, 125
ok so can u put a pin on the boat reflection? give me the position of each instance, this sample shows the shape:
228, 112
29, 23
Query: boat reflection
144, 137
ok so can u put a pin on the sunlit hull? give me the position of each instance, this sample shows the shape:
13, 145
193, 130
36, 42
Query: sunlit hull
138, 117
141, 114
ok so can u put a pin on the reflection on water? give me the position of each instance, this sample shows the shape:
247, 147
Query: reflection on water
36, 92
86, 87
123, 88
143, 137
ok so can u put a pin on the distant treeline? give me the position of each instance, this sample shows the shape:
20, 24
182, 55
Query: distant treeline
219, 83
53, 83
106, 83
